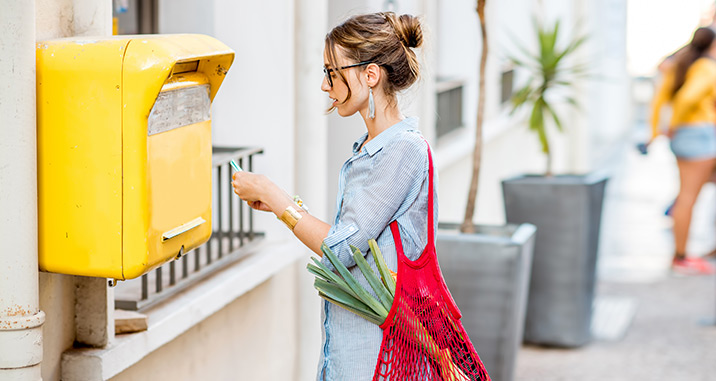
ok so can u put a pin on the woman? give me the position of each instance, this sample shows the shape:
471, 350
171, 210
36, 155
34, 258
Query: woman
689, 85
367, 60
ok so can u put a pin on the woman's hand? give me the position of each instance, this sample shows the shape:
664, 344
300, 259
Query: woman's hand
263, 194
258, 205
257, 190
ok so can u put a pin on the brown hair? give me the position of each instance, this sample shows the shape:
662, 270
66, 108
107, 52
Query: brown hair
700, 42
381, 38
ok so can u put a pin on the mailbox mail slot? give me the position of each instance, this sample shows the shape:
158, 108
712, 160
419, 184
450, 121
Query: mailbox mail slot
124, 150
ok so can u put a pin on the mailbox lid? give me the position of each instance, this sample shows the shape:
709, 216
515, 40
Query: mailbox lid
79, 152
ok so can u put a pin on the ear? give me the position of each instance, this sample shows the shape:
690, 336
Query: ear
373, 74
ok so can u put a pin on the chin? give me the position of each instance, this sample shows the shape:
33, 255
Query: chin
343, 112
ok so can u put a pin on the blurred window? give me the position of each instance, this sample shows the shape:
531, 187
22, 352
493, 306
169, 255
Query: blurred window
135, 16
506, 85
449, 105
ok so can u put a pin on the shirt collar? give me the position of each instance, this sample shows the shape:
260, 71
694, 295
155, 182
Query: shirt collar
378, 142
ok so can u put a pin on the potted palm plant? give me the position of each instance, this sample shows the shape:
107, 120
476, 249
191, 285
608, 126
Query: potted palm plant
487, 268
566, 208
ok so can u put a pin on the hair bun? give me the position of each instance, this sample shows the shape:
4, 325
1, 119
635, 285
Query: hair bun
702, 39
409, 31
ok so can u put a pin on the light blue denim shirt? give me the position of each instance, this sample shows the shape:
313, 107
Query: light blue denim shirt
385, 181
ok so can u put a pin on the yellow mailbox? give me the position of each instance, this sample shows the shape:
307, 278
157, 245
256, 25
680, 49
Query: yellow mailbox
124, 150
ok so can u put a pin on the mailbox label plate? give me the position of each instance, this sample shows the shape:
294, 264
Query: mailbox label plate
178, 108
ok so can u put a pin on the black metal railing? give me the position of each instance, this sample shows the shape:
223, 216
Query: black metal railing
233, 233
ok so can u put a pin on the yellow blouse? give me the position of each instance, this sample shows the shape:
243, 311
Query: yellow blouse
695, 102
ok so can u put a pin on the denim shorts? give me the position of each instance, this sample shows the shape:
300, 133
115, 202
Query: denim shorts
694, 142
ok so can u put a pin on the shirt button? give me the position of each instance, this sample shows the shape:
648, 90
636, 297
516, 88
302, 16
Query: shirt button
351, 229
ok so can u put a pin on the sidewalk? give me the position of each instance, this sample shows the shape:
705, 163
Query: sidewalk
653, 325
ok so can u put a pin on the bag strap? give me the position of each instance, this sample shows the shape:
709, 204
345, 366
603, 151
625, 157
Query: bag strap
431, 213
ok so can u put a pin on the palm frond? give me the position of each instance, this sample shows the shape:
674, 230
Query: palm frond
555, 117
537, 123
552, 71
522, 96
573, 101
524, 52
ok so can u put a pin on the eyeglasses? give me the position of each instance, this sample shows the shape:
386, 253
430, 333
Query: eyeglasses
328, 71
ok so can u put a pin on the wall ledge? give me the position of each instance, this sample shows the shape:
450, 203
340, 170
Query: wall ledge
170, 319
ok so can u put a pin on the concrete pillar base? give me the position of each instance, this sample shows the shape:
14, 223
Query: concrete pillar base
22, 344
31, 373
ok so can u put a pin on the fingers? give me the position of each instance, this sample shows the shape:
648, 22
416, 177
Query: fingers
254, 189
241, 182
235, 184
258, 205
246, 186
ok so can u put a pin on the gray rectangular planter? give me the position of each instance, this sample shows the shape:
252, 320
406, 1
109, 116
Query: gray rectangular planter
487, 274
567, 211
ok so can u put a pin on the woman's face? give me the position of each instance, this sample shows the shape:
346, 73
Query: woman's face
339, 91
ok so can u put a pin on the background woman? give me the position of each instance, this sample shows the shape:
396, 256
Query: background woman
689, 85
368, 60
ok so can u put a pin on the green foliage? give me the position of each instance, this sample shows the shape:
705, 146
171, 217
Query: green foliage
549, 73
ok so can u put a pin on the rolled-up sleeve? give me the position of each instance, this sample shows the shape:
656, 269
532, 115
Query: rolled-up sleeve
393, 177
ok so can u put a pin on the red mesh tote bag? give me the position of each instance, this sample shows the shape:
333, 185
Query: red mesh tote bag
423, 338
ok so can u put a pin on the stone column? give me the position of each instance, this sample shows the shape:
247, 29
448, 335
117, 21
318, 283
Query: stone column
20, 316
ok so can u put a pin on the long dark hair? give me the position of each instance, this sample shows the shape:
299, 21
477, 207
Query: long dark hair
700, 42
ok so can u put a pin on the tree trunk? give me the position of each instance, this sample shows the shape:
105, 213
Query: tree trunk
467, 225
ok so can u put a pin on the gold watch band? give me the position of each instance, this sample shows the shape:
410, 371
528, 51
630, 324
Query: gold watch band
290, 217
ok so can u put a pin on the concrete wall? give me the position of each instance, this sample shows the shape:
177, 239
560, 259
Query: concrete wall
255, 105
254, 338
57, 299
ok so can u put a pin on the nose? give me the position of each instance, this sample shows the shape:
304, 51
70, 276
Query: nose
324, 85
